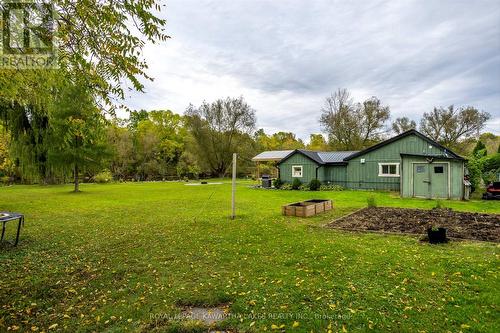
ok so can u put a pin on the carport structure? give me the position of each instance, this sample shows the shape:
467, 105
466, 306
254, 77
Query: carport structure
273, 157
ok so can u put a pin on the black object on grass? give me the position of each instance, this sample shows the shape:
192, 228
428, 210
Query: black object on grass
437, 235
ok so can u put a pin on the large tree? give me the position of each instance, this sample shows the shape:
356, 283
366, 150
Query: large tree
449, 126
277, 141
100, 41
317, 142
352, 125
218, 129
77, 139
159, 142
99, 46
403, 124
120, 140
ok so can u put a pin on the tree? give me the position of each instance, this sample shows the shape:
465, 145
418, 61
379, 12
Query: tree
490, 167
159, 142
479, 150
277, 141
29, 129
136, 117
491, 141
317, 142
121, 143
7, 167
353, 126
217, 128
451, 125
403, 124
77, 135
99, 45
100, 41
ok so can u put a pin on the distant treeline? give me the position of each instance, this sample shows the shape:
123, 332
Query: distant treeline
75, 141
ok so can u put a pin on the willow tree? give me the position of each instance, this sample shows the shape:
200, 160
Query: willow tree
220, 129
98, 43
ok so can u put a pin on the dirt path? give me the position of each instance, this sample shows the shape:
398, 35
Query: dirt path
477, 226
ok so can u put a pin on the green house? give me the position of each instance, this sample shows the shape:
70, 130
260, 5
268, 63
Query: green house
410, 163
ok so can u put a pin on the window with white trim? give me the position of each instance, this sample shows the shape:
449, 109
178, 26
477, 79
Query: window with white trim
388, 169
296, 170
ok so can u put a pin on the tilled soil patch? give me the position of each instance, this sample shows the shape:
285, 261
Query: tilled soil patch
476, 226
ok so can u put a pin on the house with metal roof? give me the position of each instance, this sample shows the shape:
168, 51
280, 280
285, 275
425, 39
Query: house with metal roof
410, 163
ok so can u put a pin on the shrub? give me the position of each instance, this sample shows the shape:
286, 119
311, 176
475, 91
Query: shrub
296, 184
304, 187
5, 180
331, 187
314, 185
277, 183
103, 177
286, 186
372, 203
474, 166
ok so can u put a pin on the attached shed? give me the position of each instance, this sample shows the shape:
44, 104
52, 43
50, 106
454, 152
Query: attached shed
410, 163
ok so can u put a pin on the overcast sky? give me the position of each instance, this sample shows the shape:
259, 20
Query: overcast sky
285, 57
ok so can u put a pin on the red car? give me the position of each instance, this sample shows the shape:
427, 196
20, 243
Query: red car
492, 191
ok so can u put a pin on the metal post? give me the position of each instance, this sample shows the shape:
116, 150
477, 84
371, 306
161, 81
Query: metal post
233, 192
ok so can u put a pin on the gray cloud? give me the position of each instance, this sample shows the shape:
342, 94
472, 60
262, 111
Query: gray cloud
285, 57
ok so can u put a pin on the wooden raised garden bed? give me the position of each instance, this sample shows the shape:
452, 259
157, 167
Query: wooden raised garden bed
307, 208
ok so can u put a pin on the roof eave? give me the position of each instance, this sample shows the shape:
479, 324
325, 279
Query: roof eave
460, 158
397, 137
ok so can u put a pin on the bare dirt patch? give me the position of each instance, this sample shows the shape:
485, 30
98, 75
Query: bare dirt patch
476, 226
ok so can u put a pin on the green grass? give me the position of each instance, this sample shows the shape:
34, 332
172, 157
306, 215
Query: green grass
119, 257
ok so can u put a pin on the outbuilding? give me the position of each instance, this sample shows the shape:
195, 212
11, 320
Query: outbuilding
410, 163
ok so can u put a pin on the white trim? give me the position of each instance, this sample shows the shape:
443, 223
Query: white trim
301, 171
381, 174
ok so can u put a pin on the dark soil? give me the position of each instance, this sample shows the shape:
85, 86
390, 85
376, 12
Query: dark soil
476, 226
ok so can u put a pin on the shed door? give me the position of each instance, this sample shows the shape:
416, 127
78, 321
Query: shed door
439, 180
430, 180
421, 180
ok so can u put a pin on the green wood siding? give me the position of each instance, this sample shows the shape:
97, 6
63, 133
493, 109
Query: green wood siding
308, 168
365, 175
335, 174
357, 175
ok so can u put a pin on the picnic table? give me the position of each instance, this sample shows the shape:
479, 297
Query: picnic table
7, 217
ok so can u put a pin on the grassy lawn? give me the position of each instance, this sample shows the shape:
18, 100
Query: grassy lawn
126, 256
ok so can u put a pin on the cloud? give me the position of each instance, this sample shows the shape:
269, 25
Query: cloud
285, 57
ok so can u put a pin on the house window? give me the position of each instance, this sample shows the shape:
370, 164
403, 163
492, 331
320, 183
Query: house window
438, 169
388, 169
420, 169
297, 171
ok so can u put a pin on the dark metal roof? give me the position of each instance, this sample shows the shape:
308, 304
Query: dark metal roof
402, 135
335, 156
323, 157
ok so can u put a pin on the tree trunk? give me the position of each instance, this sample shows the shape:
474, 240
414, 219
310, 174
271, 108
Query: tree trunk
77, 184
